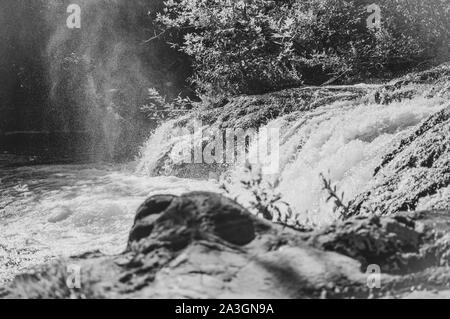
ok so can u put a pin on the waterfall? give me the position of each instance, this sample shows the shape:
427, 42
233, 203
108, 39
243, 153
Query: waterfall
342, 140
154, 149
345, 144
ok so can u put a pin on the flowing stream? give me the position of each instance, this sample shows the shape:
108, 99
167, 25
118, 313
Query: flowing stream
62, 210
345, 141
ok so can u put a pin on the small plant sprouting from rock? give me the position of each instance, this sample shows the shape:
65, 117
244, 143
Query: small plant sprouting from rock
338, 200
265, 200
265, 195
342, 209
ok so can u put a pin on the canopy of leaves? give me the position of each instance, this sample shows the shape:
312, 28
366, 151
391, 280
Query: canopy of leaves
252, 46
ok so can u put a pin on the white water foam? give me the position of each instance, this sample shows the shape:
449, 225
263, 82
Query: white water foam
50, 211
344, 141
346, 145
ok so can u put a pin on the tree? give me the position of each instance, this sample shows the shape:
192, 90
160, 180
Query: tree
252, 46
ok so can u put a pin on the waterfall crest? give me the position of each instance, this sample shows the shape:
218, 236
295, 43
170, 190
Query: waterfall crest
343, 139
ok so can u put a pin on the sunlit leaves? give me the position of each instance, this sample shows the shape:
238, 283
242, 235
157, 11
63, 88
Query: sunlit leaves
251, 46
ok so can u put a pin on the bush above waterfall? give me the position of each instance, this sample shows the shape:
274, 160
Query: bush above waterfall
261, 45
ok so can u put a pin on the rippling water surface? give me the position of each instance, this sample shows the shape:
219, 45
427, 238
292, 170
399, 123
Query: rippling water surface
61, 210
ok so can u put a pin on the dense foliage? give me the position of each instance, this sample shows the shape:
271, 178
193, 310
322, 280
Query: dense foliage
249, 46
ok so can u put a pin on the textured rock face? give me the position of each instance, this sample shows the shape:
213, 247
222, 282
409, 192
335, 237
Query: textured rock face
399, 244
429, 83
255, 111
176, 221
417, 169
203, 245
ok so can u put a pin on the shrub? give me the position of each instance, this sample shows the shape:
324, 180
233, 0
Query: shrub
264, 198
252, 46
339, 207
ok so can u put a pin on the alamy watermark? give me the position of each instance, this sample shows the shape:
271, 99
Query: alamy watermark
373, 276
373, 20
73, 280
200, 144
74, 19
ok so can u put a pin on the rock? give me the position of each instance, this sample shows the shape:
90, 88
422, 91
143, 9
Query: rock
203, 245
417, 169
430, 83
399, 244
146, 213
176, 221
198, 245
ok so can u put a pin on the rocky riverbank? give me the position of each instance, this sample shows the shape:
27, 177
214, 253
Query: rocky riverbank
203, 245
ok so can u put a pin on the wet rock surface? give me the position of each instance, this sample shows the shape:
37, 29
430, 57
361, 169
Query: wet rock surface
415, 173
203, 245
417, 169
400, 244
176, 221
434, 82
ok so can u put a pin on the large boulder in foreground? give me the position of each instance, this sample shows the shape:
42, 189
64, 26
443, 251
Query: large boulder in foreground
203, 245
177, 221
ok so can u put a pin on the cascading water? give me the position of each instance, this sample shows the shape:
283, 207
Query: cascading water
344, 141
75, 95
154, 149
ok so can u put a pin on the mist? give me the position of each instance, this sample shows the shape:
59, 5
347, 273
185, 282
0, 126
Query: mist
80, 90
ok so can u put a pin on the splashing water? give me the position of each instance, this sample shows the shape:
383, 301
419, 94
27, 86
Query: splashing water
50, 211
154, 148
346, 145
345, 141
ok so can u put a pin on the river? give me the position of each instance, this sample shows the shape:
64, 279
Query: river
62, 210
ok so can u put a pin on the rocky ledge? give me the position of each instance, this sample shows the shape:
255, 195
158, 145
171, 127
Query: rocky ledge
204, 245
417, 170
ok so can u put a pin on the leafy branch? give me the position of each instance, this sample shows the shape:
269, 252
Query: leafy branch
266, 199
338, 200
